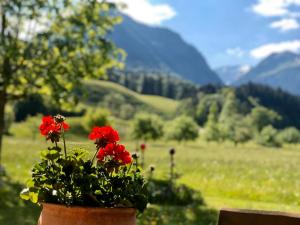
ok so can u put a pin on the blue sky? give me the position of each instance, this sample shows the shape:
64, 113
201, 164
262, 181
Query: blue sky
226, 32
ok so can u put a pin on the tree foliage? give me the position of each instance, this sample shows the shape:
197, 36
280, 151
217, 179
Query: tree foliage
147, 127
212, 132
183, 128
268, 137
289, 135
49, 46
261, 116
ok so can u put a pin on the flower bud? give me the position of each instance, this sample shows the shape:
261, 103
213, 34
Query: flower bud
59, 118
134, 155
172, 151
152, 168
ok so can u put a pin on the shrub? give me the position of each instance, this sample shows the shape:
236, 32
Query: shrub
289, 135
162, 193
96, 117
183, 128
147, 127
268, 137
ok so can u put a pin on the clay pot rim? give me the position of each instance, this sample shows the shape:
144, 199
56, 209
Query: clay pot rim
89, 208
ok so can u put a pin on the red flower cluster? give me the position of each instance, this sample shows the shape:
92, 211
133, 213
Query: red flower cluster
117, 152
104, 136
52, 129
106, 139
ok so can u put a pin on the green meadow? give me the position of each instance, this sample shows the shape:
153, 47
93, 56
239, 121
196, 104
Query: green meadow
243, 176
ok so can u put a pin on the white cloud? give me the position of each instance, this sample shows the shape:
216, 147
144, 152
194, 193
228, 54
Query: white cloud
266, 50
146, 12
237, 52
272, 8
285, 24
282, 9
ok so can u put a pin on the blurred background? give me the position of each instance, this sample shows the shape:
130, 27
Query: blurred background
215, 82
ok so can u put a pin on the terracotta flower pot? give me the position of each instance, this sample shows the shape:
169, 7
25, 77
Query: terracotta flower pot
53, 214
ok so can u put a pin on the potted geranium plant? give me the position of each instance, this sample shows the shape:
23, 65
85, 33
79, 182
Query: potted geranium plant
108, 189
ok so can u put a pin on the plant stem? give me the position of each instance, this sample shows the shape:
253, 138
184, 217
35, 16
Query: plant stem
64, 141
136, 164
172, 169
143, 159
95, 155
129, 168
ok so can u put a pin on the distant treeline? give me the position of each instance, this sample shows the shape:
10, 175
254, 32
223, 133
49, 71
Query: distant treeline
155, 83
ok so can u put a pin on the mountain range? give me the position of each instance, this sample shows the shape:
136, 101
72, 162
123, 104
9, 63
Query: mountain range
161, 49
230, 74
277, 70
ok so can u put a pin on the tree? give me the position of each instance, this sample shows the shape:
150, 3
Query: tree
227, 118
242, 132
260, 116
183, 128
211, 127
289, 135
206, 100
230, 106
232, 125
147, 127
268, 137
49, 46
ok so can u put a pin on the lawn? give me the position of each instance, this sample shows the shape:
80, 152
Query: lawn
246, 176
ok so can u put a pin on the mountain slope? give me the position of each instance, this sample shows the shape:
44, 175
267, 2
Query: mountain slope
230, 74
98, 90
155, 48
278, 70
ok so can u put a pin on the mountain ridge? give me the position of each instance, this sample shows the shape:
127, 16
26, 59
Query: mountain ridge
279, 70
161, 49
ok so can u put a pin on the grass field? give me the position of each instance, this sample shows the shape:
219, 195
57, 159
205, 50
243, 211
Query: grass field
247, 176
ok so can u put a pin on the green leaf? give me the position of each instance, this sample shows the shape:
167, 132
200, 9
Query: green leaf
25, 194
30, 183
33, 197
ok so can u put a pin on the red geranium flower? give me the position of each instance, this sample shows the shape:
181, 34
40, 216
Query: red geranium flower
52, 129
143, 146
117, 152
47, 125
104, 135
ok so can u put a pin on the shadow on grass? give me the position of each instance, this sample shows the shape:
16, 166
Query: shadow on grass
178, 215
176, 205
13, 210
